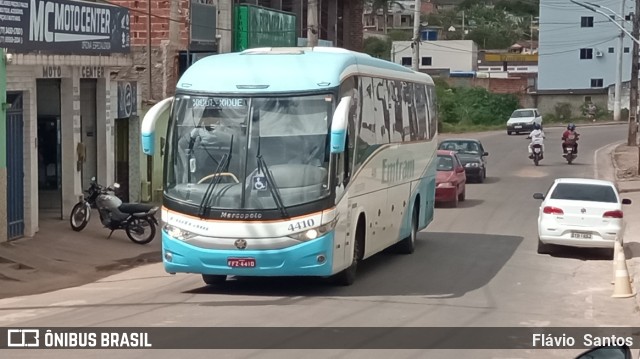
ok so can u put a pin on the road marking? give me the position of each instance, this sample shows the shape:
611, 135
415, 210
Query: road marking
530, 172
24, 314
536, 323
68, 303
588, 313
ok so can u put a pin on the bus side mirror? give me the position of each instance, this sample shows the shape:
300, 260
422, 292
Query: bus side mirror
148, 127
339, 125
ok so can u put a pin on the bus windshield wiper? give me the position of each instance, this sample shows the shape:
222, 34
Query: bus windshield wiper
271, 183
223, 166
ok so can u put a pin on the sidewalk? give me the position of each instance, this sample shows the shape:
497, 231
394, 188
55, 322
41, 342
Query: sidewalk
622, 165
57, 257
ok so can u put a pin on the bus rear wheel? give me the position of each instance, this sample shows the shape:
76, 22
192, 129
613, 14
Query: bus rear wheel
408, 245
214, 279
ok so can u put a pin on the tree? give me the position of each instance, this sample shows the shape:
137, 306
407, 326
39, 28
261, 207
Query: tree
377, 47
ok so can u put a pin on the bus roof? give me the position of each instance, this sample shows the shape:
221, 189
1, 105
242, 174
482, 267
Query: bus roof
291, 69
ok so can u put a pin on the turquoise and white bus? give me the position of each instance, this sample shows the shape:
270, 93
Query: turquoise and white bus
294, 162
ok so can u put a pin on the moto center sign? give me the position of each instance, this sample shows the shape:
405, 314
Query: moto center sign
64, 26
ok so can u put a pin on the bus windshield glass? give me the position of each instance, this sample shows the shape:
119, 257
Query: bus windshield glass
214, 144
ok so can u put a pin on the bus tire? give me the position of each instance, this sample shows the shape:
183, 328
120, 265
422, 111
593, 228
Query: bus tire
408, 245
348, 276
214, 279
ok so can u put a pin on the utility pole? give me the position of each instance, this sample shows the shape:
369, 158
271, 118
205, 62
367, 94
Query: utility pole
171, 49
149, 63
531, 34
618, 87
416, 37
462, 24
312, 23
633, 95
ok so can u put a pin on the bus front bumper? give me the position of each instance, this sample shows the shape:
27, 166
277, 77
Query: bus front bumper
312, 258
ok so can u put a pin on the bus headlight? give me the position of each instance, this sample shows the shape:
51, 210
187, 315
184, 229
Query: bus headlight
178, 233
313, 233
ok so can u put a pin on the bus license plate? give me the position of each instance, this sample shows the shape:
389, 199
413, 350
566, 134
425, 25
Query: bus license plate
241, 262
579, 235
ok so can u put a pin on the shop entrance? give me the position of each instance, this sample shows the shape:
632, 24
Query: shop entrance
49, 149
88, 116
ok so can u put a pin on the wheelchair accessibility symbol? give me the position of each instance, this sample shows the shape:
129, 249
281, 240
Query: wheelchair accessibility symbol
259, 183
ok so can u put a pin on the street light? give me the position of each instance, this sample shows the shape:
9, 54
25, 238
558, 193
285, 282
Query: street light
606, 8
609, 18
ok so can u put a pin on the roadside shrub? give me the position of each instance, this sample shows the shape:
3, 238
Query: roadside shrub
563, 111
624, 114
474, 106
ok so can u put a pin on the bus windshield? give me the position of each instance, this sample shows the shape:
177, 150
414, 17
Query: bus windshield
214, 144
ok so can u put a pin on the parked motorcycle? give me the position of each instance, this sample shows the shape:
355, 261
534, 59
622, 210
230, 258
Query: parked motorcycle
134, 218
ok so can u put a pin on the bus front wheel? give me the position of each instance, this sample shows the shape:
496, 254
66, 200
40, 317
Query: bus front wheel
348, 276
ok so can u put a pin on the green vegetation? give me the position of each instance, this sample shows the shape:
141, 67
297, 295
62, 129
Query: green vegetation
462, 109
377, 47
495, 27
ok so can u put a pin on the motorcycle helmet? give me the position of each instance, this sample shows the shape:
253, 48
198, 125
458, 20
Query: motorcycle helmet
571, 127
536, 126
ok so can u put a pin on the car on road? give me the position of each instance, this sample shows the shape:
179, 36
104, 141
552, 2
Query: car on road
579, 212
451, 179
522, 120
472, 155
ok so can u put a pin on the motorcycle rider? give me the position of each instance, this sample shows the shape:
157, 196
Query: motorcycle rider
537, 138
570, 138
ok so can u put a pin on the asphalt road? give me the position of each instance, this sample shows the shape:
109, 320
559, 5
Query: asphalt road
475, 266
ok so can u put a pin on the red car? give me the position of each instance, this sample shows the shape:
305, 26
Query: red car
451, 179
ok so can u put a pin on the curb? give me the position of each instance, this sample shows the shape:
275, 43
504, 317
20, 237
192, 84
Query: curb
632, 268
617, 181
608, 123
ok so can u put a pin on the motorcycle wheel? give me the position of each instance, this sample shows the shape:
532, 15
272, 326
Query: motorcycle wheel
80, 215
137, 230
536, 159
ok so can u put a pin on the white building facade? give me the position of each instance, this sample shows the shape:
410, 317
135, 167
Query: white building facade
452, 55
578, 48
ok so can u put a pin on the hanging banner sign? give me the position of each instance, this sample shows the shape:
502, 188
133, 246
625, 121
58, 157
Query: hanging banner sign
63, 26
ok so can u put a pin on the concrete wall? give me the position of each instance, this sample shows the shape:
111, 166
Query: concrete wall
547, 103
562, 37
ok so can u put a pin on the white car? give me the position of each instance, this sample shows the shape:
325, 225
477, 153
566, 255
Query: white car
522, 120
580, 212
